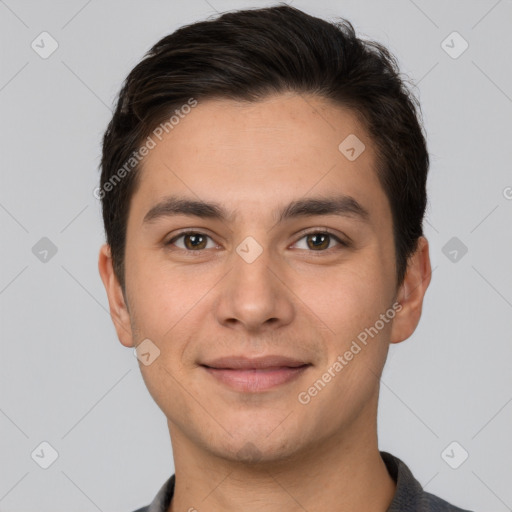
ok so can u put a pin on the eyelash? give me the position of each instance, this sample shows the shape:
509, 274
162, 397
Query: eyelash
323, 231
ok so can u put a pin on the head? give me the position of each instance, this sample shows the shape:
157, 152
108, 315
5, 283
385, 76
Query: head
293, 152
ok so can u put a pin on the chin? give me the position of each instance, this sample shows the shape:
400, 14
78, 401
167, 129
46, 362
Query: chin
254, 446
257, 453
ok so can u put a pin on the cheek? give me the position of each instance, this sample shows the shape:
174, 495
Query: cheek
170, 305
346, 298
156, 301
349, 301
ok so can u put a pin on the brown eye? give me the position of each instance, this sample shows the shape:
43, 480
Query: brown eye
192, 241
195, 241
319, 241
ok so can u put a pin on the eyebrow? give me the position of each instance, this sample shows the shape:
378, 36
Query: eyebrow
341, 205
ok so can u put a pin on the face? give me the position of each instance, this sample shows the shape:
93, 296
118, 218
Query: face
252, 299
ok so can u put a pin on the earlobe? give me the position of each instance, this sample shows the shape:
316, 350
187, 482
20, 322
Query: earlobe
412, 292
117, 305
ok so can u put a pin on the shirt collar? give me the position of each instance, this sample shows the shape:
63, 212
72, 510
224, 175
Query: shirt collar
407, 495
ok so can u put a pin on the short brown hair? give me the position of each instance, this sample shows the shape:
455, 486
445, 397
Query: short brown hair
247, 55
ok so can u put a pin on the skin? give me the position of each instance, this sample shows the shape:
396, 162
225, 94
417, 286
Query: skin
266, 451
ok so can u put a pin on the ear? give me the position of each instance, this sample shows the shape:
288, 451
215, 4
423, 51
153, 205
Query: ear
118, 308
411, 293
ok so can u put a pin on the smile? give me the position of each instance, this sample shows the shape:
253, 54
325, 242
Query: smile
256, 375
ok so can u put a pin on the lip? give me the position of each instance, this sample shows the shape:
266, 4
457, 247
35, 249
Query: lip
252, 375
253, 363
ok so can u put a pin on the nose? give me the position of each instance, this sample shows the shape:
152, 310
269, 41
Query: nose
254, 296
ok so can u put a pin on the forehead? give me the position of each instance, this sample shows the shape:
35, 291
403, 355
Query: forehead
253, 154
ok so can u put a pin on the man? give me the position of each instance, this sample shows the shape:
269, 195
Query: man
263, 190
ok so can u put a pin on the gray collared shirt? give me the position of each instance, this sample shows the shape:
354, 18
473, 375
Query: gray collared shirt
409, 495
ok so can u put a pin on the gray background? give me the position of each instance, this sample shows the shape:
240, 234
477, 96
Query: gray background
64, 377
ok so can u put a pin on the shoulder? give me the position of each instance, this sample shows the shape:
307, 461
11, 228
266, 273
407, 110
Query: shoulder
163, 498
436, 504
409, 494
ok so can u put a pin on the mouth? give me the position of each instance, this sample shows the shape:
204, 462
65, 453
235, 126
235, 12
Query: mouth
253, 375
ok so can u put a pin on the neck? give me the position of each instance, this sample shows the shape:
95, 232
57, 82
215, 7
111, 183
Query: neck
342, 473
